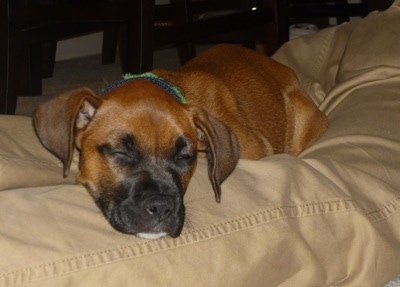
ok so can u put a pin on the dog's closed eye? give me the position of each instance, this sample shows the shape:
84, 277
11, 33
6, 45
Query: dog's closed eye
124, 152
184, 152
127, 158
185, 156
122, 156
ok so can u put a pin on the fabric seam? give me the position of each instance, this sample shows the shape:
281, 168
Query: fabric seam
128, 252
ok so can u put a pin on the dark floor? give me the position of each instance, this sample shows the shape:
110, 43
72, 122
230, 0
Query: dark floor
86, 72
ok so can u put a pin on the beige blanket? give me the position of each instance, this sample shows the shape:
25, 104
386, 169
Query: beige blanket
328, 218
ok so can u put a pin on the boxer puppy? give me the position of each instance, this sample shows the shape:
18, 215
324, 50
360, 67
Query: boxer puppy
140, 141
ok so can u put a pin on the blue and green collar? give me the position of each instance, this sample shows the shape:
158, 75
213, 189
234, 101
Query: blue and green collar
163, 84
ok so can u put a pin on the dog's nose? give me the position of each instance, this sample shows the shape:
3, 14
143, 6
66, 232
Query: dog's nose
159, 206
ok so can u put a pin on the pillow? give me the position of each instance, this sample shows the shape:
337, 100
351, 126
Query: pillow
327, 218
23, 160
316, 58
373, 44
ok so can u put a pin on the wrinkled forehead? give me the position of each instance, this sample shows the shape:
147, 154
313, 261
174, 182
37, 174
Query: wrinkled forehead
154, 126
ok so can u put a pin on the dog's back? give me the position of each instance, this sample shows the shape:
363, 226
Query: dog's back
260, 99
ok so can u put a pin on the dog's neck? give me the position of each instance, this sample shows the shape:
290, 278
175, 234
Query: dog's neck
163, 84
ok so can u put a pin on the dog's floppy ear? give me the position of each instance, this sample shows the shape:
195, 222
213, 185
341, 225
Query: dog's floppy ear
58, 121
221, 147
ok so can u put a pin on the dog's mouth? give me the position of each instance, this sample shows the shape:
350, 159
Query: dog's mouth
152, 218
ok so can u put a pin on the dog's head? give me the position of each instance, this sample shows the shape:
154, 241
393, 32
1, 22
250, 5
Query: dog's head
138, 150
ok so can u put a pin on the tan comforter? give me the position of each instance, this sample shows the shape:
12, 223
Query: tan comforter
328, 218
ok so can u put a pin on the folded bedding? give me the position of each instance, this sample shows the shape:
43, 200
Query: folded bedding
330, 217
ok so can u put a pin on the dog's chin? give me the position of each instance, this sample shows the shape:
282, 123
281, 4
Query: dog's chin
134, 224
173, 232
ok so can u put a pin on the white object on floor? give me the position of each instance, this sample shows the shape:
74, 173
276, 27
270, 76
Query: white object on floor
298, 30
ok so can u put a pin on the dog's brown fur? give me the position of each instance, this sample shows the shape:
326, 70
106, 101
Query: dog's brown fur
258, 98
240, 104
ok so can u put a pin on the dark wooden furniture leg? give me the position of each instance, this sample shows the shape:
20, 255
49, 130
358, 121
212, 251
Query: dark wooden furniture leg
110, 40
182, 15
138, 45
7, 105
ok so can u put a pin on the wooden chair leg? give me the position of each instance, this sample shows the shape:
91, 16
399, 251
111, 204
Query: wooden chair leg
3, 80
182, 15
48, 58
137, 41
282, 20
186, 52
34, 76
110, 41
28, 68
7, 101
9, 87
20, 79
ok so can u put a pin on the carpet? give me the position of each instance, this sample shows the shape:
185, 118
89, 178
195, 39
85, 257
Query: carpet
87, 72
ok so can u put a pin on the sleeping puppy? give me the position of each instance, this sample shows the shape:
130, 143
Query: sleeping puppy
140, 141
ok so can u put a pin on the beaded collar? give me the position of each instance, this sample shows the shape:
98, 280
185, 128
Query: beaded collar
163, 84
